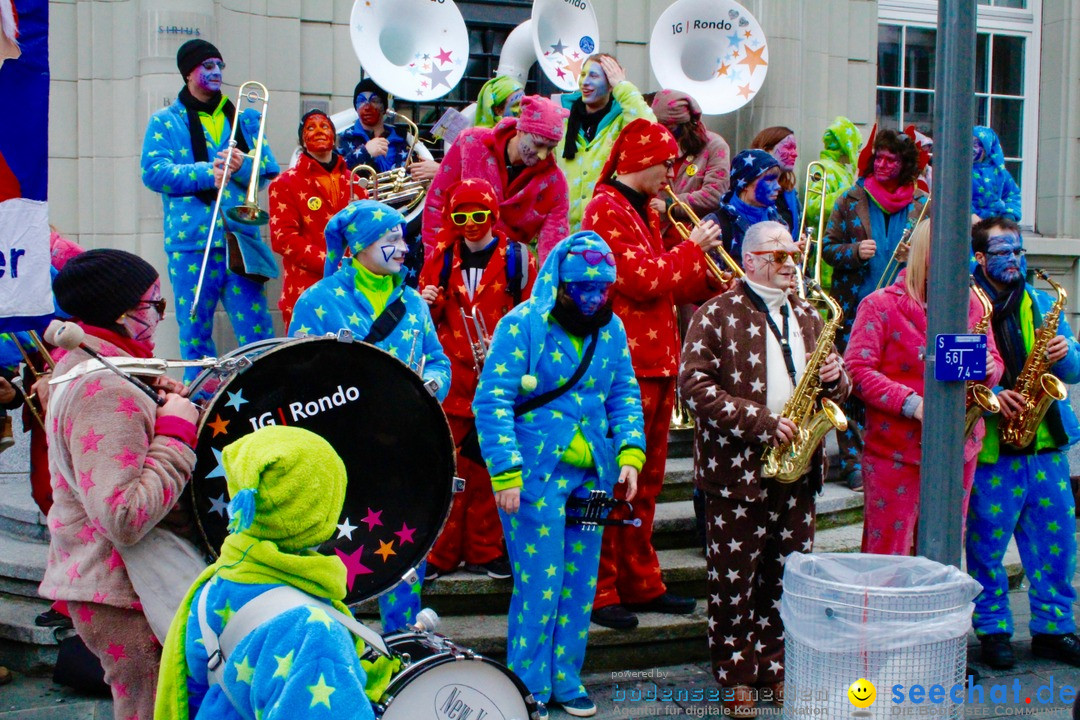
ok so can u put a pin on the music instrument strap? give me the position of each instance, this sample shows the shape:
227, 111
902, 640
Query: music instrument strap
386, 322
785, 347
544, 398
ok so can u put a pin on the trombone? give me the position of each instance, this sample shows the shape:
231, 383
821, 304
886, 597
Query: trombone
816, 175
684, 231
38, 410
248, 212
892, 268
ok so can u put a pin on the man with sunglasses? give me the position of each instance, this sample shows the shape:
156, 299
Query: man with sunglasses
515, 157
745, 353
1023, 492
183, 158
651, 281
474, 278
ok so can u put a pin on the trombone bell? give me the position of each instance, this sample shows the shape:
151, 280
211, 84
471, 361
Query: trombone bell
248, 214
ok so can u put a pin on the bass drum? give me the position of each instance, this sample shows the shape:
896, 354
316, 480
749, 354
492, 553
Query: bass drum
388, 429
438, 679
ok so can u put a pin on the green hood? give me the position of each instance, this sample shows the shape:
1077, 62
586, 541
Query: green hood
841, 139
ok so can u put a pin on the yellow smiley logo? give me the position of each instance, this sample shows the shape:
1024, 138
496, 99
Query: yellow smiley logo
314, 203
862, 693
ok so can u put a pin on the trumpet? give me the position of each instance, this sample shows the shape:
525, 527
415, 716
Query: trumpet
892, 268
248, 212
36, 408
684, 231
477, 336
815, 173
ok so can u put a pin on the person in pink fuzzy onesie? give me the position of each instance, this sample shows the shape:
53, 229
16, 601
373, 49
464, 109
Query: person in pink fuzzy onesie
119, 463
885, 358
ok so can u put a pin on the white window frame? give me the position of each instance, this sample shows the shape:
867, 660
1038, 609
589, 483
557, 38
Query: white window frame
1025, 23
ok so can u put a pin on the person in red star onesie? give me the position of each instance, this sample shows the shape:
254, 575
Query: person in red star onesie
302, 201
473, 273
651, 281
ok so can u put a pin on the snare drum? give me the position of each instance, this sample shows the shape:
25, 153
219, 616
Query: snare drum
441, 680
388, 429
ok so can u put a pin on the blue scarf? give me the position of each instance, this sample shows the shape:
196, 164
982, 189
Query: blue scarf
890, 227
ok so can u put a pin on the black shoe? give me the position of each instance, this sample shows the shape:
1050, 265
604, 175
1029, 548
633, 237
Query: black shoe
666, 603
1063, 648
498, 569
52, 618
854, 481
432, 572
616, 617
997, 651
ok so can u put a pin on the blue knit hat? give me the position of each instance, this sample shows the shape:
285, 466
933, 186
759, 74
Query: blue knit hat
748, 166
359, 224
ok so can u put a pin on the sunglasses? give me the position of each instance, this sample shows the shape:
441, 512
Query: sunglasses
595, 257
159, 305
478, 217
211, 64
779, 257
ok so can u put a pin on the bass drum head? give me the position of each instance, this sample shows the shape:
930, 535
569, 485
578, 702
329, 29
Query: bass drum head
388, 429
440, 685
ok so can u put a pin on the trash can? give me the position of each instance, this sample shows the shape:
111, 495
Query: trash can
890, 620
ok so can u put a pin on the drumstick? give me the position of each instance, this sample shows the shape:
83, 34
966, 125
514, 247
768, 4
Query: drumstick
70, 336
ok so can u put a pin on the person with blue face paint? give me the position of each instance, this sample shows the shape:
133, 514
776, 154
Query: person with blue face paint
606, 103
558, 414
355, 297
994, 192
755, 185
176, 162
1023, 493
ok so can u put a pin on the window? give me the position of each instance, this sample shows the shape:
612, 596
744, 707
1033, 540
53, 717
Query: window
1005, 82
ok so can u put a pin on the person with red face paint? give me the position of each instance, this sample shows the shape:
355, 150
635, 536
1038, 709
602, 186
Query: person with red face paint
779, 142
651, 280
302, 201
474, 278
864, 230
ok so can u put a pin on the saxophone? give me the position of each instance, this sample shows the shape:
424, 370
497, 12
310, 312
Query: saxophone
790, 461
1039, 387
979, 399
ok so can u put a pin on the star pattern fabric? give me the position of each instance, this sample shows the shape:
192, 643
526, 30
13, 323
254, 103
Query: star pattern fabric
584, 171
532, 209
472, 532
747, 543
300, 663
554, 564
169, 168
884, 358
994, 192
351, 144
1028, 496
302, 201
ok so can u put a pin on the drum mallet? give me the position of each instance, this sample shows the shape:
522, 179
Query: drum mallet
69, 336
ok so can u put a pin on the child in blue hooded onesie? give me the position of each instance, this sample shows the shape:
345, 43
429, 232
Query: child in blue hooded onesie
540, 456
353, 297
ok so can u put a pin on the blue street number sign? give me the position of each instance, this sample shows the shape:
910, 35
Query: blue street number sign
960, 358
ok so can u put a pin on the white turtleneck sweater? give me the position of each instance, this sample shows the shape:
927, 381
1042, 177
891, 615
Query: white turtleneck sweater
779, 388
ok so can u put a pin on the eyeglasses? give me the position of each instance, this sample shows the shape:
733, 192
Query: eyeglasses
478, 217
595, 257
1018, 252
371, 98
779, 257
212, 64
159, 305
669, 164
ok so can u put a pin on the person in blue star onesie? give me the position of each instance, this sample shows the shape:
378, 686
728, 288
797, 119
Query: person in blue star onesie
356, 297
287, 487
541, 450
183, 157
994, 193
1023, 491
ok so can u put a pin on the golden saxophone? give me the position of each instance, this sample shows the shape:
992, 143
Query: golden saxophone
1039, 387
979, 398
813, 416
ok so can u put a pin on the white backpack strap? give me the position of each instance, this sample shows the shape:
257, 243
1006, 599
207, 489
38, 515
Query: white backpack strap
270, 604
216, 659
